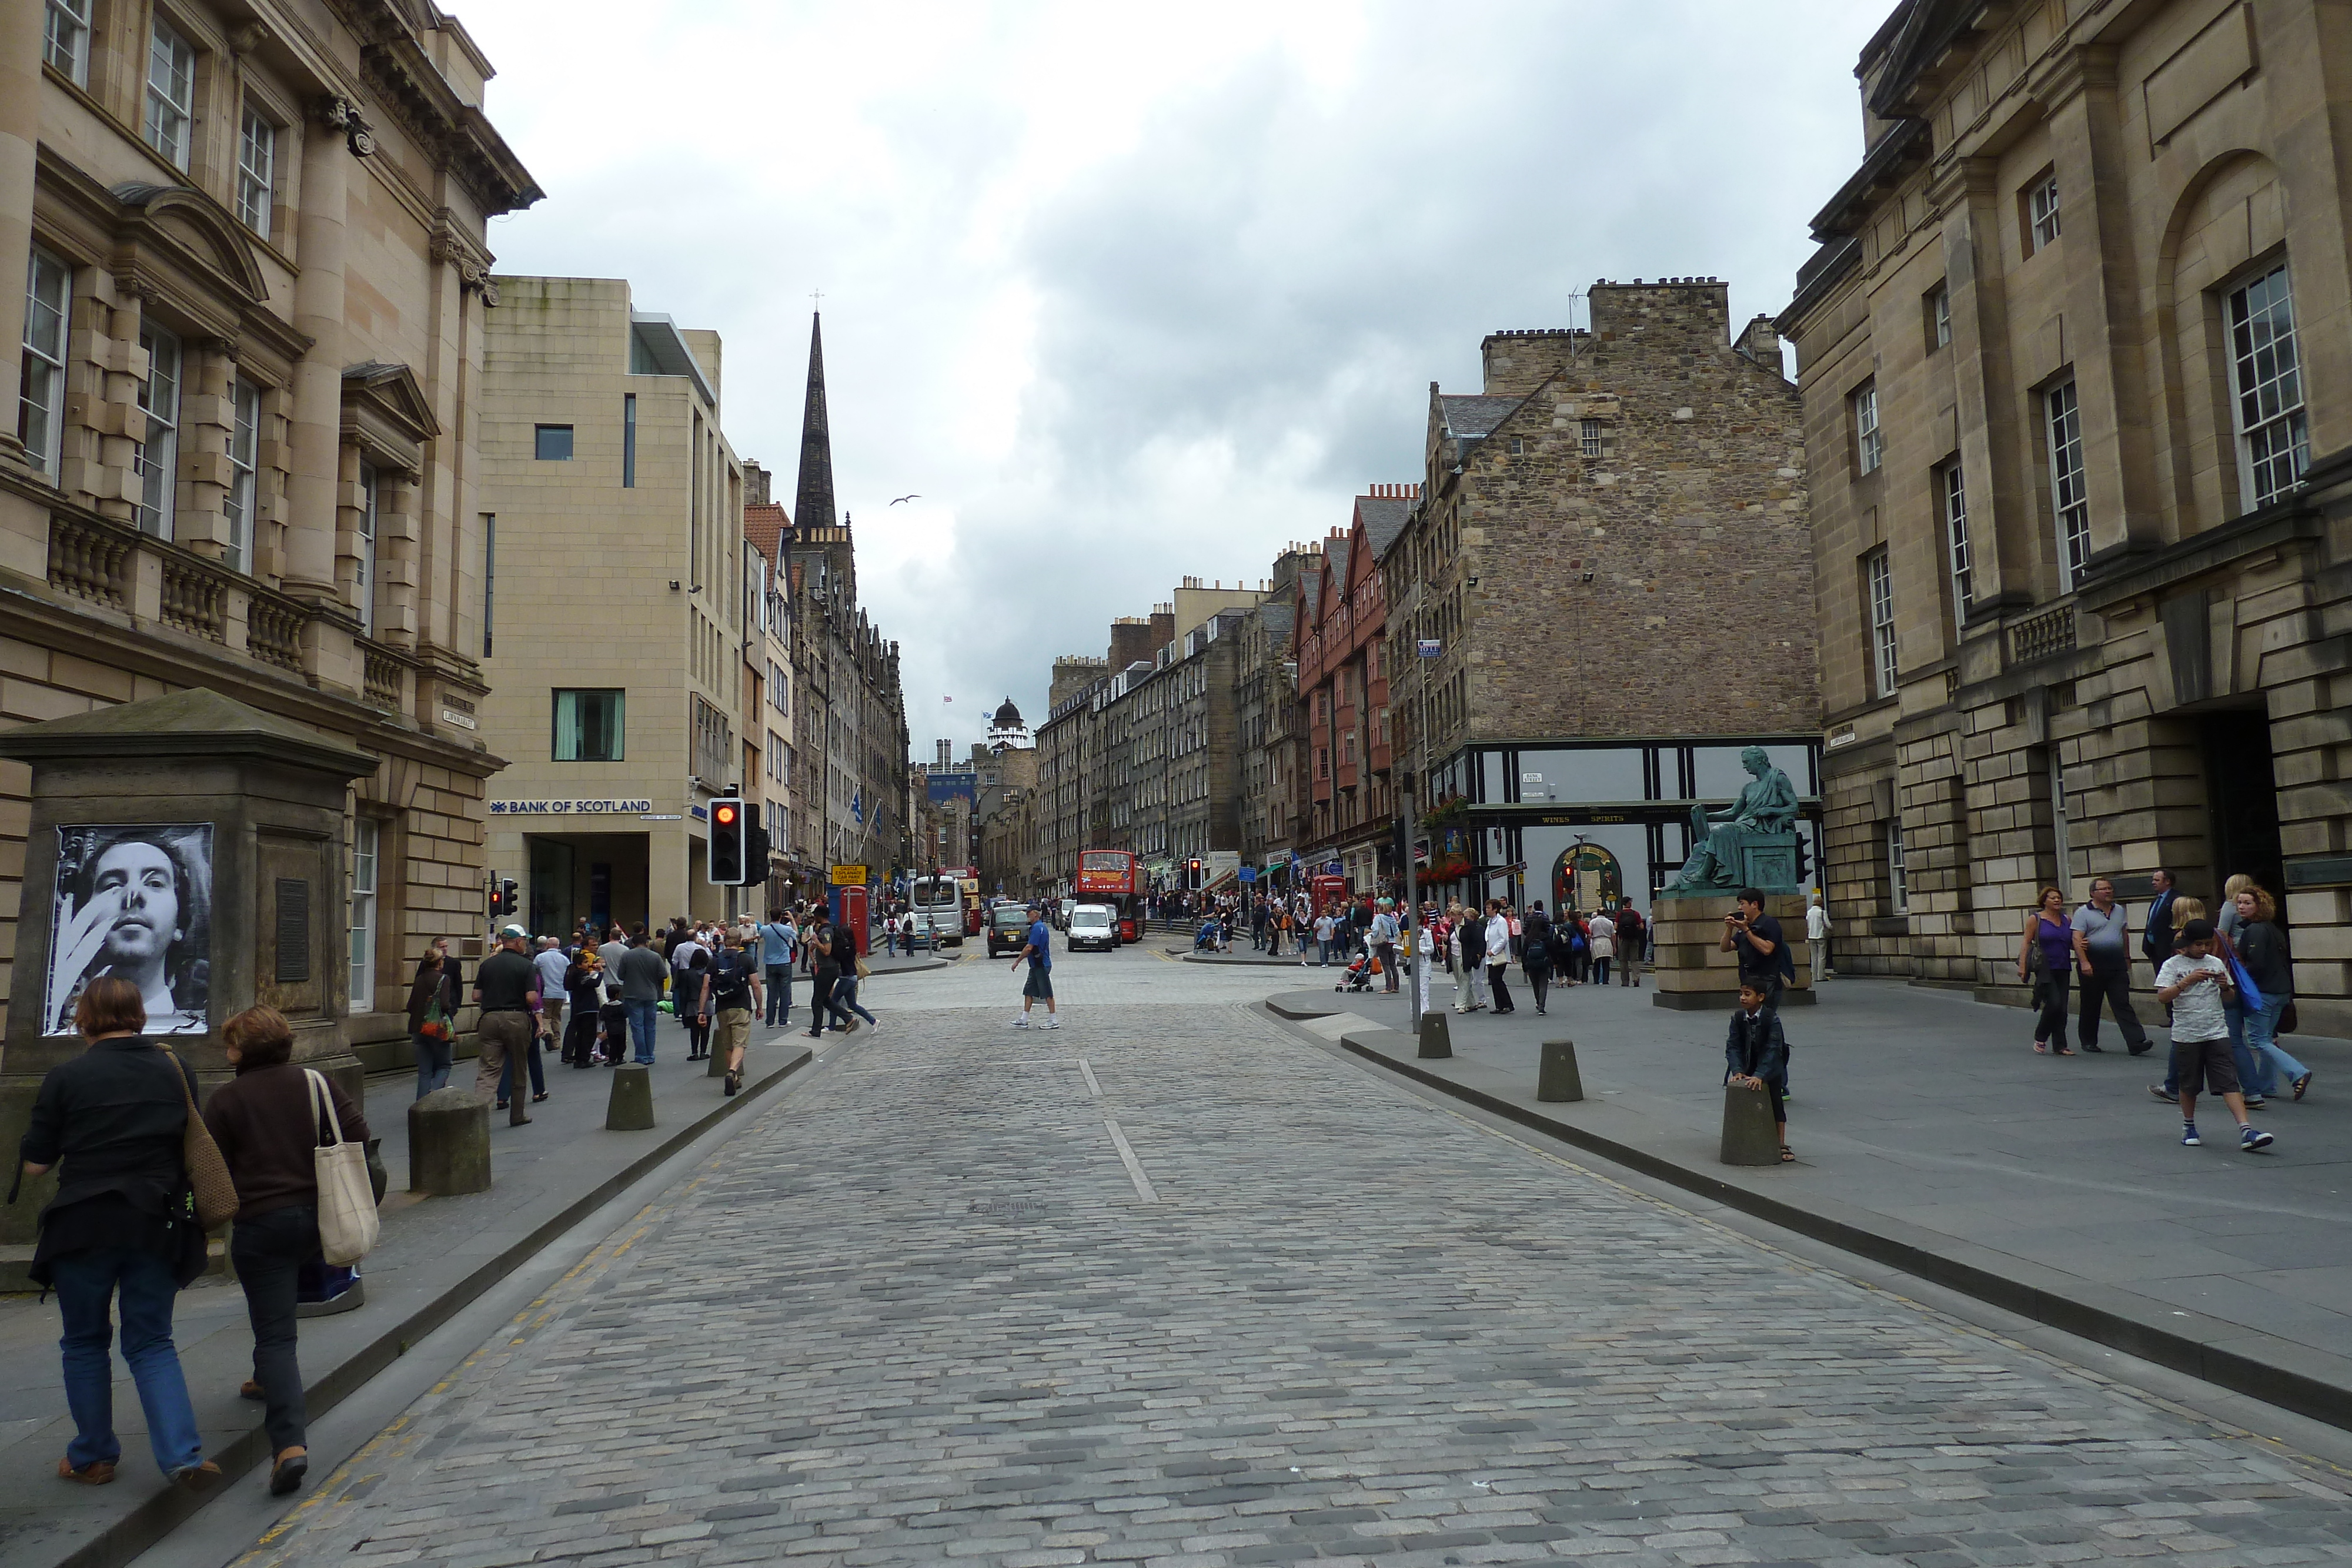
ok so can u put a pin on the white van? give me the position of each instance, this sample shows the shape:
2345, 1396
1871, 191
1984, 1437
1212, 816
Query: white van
1091, 926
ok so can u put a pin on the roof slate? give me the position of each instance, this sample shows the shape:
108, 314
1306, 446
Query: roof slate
1383, 517
1476, 415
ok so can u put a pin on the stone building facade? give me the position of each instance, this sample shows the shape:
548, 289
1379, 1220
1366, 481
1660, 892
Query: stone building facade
1340, 642
2079, 401
1603, 595
1265, 710
612, 498
243, 249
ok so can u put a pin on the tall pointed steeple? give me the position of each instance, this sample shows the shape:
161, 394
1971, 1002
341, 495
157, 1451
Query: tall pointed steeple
812, 496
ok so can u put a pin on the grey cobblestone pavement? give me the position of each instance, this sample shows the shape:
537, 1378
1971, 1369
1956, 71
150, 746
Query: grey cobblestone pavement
924, 1313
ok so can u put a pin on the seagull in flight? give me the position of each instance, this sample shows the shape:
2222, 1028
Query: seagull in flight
903, 498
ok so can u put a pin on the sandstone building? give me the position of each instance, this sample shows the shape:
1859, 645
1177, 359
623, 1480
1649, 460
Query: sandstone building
618, 620
242, 248
1603, 595
2079, 404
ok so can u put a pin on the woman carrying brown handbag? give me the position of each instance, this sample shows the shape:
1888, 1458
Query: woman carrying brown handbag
114, 1121
265, 1125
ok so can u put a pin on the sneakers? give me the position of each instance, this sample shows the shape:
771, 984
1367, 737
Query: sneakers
2188, 1138
1051, 1022
2163, 1095
2249, 1140
2255, 1102
2300, 1085
1021, 1021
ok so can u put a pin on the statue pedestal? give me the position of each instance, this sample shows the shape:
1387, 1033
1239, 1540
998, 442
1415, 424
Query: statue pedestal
196, 846
1693, 975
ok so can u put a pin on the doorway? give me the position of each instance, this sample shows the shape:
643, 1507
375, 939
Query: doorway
2241, 799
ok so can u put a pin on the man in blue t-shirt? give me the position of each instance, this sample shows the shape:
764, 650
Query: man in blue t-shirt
1039, 986
777, 939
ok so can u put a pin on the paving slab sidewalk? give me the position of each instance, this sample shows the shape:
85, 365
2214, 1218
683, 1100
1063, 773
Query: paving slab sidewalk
436, 1255
1931, 1137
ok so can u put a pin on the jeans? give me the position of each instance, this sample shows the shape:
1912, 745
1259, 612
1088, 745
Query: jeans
85, 1284
844, 1000
2262, 1045
641, 1025
2113, 987
268, 1252
780, 992
1386, 953
432, 1063
537, 1074
821, 1005
1323, 949
1601, 971
1540, 981
2051, 1027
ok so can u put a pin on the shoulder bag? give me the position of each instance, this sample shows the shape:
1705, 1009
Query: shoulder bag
208, 1177
347, 1225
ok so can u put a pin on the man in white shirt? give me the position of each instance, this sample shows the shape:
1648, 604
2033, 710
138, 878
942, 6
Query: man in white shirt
553, 966
1817, 933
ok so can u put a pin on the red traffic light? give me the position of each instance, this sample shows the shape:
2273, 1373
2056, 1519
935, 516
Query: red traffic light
724, 816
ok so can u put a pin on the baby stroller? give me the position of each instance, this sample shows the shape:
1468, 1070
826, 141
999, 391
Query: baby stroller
1205, 939
1358, 977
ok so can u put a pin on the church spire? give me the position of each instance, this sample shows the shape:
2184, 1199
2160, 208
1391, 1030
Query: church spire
812, 496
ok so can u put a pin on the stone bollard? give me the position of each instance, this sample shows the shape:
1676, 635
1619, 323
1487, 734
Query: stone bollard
1556, 1078
631, 1108
449, 1143
1749, 1135
1436, 1038
716, 1065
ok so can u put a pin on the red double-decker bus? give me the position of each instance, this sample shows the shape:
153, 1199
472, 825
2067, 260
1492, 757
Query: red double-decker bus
1113, 877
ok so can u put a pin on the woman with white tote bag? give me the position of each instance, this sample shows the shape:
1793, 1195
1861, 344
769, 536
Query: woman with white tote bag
270, 1123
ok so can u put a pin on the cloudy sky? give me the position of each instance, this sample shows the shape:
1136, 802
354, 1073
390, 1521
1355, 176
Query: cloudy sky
1128, 293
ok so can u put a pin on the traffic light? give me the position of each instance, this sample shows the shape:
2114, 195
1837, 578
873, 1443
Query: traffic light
727, 841
493, 896
1194, 882
506, 902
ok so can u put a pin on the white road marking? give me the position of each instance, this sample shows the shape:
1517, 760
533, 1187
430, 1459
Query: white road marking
1093, 1088
1134, 1167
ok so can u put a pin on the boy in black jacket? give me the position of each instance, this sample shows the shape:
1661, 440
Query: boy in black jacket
1756, 1055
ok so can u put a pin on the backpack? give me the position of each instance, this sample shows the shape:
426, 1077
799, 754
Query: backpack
730, 979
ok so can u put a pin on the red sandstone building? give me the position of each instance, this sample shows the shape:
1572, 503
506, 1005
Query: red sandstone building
1340, 621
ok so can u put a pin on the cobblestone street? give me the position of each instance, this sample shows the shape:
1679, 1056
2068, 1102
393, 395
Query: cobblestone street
1167, 1286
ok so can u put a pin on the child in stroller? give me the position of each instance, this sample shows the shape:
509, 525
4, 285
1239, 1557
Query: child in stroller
1360, 974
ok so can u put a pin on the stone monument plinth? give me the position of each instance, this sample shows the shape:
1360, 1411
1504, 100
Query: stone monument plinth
1687, 962
194, 846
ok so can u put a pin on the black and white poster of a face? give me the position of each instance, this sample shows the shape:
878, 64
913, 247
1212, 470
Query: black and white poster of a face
135, 902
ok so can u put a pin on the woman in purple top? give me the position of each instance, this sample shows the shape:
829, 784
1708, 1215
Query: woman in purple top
2048, 929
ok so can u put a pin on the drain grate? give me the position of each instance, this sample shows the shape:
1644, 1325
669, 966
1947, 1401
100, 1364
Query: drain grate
1013, 1208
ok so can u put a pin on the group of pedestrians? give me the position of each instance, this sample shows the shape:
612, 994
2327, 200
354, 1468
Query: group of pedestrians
1571, 947
124, 1231
2225, 977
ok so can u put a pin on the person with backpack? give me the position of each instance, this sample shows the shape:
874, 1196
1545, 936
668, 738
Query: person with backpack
1632, 935
1534, 957
730, 994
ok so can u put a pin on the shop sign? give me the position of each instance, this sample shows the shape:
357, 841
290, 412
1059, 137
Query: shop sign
568, 808
849, 876
1580, 819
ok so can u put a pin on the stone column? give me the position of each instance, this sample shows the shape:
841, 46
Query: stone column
2004, 540
20, 135
316, 426
247, 810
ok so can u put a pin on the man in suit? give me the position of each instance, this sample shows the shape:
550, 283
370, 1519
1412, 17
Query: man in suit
2157, 941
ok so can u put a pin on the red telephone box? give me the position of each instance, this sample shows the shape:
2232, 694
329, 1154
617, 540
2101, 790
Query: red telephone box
1329, 891
853, 915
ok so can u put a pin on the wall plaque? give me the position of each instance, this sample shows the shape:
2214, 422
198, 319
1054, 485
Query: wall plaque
293, 930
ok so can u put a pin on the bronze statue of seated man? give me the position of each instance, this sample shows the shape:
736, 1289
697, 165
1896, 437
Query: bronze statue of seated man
1765, 813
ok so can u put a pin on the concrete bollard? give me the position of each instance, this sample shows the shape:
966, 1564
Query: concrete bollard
631, 1108
717, 1066
1749, 1135
1556, 1078
1436, 1038
449, 1143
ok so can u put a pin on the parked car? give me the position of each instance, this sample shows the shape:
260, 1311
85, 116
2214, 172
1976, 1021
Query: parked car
1008, 929
1062, 911
1092, 926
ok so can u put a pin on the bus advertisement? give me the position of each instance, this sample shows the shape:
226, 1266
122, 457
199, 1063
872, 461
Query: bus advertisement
1112, 877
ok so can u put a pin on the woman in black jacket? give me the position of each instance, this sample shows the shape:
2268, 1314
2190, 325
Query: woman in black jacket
436, 978
122, 1228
